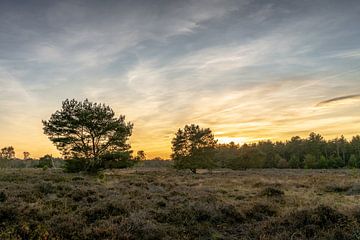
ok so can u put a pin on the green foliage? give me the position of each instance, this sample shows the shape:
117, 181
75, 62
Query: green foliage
310, 161
86, 130
354, 162
336, 162
46, 161
295, 162
108, 160
75, 165
250, 157
271, 158
323, 163
312, 152
225, 153
118, 160
282, 163
193, 148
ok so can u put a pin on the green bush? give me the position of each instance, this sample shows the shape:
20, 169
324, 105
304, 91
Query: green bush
117, 160
108, 160
46, 162
75, 165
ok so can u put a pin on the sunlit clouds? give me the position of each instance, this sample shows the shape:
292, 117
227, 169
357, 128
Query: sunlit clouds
250, 71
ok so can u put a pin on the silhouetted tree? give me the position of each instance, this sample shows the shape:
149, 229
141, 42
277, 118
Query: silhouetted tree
26, 155
7, 153
86, 130
140, 155
193, 148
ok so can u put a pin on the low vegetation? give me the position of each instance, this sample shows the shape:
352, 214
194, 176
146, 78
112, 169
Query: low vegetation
162, 203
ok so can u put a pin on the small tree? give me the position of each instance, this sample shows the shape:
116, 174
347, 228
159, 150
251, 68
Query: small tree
87, 131
7, 153
140, 155
26, 155
193, 148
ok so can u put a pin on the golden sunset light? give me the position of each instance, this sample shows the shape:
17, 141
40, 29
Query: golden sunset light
180, 119
265, 80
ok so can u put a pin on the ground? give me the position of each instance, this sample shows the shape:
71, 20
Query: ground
161, 203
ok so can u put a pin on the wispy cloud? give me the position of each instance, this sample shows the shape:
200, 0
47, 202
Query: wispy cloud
337, 100
246, 69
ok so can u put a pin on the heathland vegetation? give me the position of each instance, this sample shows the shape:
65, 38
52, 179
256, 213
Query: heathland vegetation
163, 203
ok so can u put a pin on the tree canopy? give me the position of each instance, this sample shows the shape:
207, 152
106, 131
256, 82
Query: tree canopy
193, 147
7, 153
87, 130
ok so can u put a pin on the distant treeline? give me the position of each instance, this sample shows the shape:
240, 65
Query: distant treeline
311, 152
8, 160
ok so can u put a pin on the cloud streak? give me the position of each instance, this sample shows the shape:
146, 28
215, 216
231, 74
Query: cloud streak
337, 100
246, 69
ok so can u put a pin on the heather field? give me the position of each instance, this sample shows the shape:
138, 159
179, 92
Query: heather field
162, 203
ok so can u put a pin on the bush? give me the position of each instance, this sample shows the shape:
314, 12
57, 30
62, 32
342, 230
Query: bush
46, 162
117, 160
272, 192
75, 165
109, 160
2, 197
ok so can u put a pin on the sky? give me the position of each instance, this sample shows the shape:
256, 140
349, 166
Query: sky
248, 69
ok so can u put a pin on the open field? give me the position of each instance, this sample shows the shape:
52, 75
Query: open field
166, 204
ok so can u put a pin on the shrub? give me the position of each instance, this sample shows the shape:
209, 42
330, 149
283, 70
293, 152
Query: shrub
272, 192
260, 212
117, 160
75, 165
2, 197
46, 162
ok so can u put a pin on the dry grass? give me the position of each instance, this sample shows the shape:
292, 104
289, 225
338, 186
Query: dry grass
166, 204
